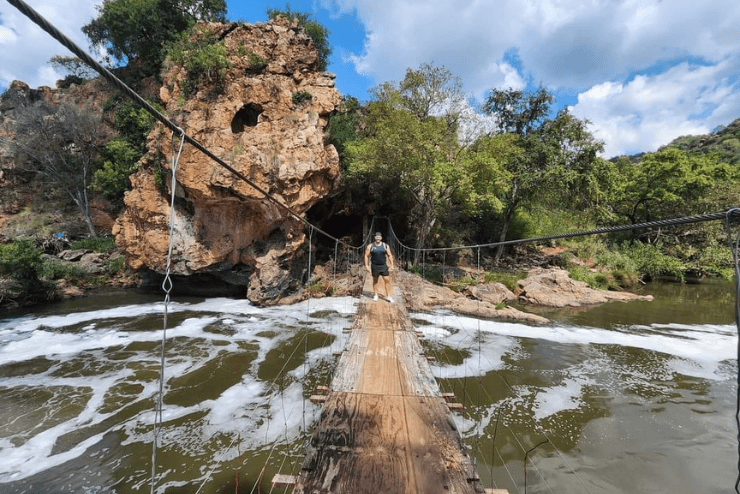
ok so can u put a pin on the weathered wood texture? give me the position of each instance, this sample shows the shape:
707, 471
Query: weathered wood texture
385, 427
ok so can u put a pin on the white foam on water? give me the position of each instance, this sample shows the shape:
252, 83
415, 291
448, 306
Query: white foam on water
251, 408
266, 414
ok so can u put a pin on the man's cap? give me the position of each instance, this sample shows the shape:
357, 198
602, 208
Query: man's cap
378, 234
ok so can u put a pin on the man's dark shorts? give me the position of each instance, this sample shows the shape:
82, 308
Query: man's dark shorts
379, 269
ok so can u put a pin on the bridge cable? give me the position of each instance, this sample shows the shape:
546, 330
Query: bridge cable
734, 246
167, 287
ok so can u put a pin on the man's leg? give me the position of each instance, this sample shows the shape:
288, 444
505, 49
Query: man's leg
375, 286
387, 284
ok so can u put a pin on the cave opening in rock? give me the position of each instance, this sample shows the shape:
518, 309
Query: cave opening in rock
247, 116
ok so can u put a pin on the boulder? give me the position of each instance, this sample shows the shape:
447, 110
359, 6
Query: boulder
493, 293
554, 288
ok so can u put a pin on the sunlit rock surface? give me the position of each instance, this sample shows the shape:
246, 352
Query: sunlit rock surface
223, 226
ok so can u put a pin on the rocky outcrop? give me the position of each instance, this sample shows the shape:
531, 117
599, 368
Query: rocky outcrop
554, 288
223, 227
421, 295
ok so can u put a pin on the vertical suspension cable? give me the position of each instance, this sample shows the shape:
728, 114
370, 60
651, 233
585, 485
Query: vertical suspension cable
167, 287
734, 248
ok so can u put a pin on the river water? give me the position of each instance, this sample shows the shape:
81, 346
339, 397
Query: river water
632, 397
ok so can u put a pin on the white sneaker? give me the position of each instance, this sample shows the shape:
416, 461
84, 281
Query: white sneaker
390, 299
375, 297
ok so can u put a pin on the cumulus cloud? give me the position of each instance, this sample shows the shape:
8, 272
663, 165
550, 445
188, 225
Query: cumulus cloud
25, 48
649, 111
627, 58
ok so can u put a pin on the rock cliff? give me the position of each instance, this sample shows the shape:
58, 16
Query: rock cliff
260, 121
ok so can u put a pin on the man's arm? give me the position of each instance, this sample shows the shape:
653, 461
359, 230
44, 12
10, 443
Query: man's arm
367, 258
391, 260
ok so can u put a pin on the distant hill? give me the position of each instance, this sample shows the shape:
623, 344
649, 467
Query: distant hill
725, 142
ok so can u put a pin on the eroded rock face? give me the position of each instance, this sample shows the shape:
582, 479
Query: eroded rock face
554, 288
224, 226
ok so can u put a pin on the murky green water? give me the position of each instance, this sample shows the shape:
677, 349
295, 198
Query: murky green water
620, 398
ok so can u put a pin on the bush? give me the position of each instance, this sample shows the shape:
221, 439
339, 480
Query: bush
256, 63
204, 57
20, 259
301, 96
509, 280
95, 244
54, 270
119, 161
651, 262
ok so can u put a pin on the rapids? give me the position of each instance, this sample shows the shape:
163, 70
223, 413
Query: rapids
622, 402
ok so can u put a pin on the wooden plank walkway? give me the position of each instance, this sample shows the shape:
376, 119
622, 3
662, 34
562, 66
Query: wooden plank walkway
385, 428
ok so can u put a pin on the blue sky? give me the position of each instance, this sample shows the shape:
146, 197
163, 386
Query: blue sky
641, 71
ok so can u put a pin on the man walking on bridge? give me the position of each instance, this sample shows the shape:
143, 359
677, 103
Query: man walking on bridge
378, 260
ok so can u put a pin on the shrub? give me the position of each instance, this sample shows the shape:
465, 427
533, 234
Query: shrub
651, 262
301, 96
54, 270
204, 57
20, 259
509, 280
96, 244
256, 63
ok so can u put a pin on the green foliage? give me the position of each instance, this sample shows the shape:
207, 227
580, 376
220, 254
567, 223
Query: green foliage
301, 96
119, 161
663, 184
459, 284
317, 32
120, 156
141, 29
73, 66
509, 280
344, 126
204, 57
555, 156
20, 259
102, 244
134, 123
116, 265
651, 262
256, 63
55, 270
724, 143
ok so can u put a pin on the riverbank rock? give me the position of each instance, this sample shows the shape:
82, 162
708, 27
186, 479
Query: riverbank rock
554, 288
267, 122
421, 295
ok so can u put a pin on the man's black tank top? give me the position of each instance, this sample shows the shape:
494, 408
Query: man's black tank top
377, 253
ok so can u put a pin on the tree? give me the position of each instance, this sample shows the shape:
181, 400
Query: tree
411, 144
314, 30
664, 184
142, 30
61, 144
555, 156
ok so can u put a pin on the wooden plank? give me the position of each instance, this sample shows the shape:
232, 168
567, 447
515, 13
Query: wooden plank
317, 399
282, 481
497, 491
388, 444
385, 427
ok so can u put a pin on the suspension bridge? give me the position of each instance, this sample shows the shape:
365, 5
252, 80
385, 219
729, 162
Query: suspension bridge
385, 426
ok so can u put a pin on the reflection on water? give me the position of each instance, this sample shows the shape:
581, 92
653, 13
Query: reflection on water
624, 397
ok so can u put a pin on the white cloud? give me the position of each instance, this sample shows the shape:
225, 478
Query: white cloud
588, 46
26, 48
650, 111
